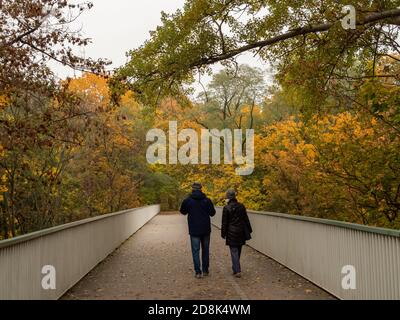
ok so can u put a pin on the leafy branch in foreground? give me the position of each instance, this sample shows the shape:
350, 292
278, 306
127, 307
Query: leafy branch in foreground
206, 32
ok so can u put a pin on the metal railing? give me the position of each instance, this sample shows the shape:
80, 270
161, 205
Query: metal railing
72, 249
318, 249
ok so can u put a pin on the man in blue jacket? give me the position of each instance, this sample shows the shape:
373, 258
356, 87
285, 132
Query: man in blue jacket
199, 209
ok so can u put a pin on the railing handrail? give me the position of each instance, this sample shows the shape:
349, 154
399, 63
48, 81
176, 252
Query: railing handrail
37, 234
336, 223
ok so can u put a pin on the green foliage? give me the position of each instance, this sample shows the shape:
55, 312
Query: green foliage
327, 130
211, 31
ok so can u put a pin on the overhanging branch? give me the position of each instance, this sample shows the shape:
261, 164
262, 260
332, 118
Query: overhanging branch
392, 17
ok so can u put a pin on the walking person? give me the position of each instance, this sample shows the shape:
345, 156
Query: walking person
199, 209
236, 229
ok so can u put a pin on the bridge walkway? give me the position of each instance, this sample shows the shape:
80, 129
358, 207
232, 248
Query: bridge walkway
155, 263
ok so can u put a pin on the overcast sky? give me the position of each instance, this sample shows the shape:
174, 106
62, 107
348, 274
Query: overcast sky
118, 26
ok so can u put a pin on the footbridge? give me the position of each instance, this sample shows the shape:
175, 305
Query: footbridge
144, 254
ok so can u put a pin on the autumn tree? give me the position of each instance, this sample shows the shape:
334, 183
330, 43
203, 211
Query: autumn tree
289, 34
34, 33
235, 96
37, 112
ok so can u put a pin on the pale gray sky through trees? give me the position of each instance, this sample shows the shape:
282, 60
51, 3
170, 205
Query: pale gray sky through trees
118, 26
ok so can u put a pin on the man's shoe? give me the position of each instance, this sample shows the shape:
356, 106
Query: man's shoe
238, 275
206, 274
198, 275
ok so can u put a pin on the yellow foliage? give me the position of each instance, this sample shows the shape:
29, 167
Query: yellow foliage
91, 87
4, 100
3, 186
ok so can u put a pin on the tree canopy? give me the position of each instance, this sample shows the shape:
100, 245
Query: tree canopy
327, 128
205, 32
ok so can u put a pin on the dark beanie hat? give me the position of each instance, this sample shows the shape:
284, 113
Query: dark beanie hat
196, 186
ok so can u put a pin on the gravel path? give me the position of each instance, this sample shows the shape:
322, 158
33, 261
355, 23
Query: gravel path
156, 263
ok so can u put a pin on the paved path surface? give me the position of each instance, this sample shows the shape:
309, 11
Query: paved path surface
156, 263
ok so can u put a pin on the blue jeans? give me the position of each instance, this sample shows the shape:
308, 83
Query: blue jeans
204, 242
235, 255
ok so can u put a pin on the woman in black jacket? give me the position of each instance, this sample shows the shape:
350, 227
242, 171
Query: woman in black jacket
236, 229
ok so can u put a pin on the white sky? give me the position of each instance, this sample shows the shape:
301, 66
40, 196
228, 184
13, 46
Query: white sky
118, 26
